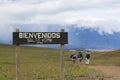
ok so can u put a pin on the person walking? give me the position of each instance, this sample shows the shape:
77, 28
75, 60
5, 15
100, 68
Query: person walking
87, 57
73, 57
80, 57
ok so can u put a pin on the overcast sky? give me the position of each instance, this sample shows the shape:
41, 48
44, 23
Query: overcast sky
101, 15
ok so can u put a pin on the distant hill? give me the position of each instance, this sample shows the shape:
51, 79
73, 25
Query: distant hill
78, 37
115, 53
106, 58
92, 39
81, 38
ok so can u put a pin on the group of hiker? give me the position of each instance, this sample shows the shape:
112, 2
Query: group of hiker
80, 57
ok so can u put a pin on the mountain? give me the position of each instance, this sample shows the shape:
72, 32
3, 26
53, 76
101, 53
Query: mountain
78, 37
87, 38
90, 38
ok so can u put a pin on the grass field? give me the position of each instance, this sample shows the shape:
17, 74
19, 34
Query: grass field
44, 64
106, 58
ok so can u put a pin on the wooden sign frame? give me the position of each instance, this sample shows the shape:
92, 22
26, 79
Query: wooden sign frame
60, 38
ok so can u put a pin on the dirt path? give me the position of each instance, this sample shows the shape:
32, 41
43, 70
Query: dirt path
109, 70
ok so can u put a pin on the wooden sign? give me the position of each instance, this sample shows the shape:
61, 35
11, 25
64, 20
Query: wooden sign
40, 38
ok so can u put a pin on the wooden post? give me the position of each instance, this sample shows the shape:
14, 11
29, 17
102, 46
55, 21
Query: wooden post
62, 60
17, 52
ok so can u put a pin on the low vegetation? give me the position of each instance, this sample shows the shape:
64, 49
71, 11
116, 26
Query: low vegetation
106, 58
44, 64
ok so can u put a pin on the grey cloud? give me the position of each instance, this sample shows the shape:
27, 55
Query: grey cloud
90, 14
